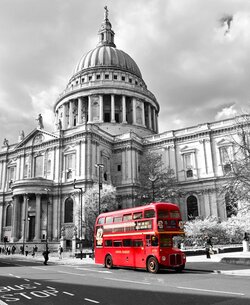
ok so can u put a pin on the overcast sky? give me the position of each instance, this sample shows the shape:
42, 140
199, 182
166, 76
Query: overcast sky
193, 55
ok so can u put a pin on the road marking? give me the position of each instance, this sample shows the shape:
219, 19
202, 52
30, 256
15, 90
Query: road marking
26, 280
213, 291
71, 294
3, 303
72, 273
39, 268
39, 284
93, 270
119, 280
93, 301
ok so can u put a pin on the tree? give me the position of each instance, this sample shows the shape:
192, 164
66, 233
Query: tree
157, 182
237, 168
108, 203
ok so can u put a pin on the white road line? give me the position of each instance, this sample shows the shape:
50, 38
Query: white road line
39, 268
72, 273
71, 294
26, 280
212, 291
38, 284
93, 301
127, 281
93, 270
3, 303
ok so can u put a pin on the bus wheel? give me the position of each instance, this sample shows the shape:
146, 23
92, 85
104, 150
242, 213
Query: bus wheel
108, 262
152, 265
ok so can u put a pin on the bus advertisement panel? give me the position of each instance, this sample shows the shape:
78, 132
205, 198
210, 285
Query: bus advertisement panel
140, 237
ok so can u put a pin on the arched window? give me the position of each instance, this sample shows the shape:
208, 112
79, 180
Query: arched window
68, 210
192, 207
8, 216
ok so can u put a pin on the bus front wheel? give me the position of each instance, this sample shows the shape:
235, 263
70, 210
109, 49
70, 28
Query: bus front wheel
152, 265
108, 262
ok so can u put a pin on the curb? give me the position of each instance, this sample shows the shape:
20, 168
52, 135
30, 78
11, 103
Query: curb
236, 260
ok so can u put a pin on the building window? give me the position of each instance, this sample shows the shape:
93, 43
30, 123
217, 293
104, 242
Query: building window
90, 77
192, 207
106, 76
115, 76
25, 175
123, 78
98, 76
231, 205
70, 165
136, 82
119, 167
189, 173
225, 155
130, 80
82, 80
12, 171
39, 166
68, 210
8, 216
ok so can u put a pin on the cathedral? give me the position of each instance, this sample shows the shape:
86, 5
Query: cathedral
104, 119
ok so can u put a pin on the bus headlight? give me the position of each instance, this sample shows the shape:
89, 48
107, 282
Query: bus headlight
163, 258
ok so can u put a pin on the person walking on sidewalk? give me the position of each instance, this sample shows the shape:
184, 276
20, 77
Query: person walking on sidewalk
46, 256
208, 246
60, 251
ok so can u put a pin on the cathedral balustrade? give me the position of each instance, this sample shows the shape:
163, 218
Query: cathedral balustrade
31, 185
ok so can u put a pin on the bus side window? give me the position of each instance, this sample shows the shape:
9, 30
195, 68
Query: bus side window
117, 243
127, 217
154, 240
149, 214
127, 243
137, 215
138, 243
109, 219
148, 240
108, 243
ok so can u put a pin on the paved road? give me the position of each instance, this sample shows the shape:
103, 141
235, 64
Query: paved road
30, 282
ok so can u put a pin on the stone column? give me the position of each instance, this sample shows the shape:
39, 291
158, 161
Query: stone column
38, 218
25, 217
112, 108
64, 116
49, 218
143, 114
101, 108
124, 109
149, 117
134, 110
71, 113
89, 110
1, 220
15, 221
79, 118
153, 116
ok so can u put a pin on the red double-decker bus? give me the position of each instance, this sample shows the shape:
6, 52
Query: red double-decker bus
140, 237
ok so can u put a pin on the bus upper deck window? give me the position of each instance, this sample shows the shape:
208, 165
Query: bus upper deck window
149, 214
127, 217
109, 219
101, 220
137, 215
118, 219
163, 214
174, 214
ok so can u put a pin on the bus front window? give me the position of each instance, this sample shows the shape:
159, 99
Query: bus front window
165, 241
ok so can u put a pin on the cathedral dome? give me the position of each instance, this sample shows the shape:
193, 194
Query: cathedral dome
110, 57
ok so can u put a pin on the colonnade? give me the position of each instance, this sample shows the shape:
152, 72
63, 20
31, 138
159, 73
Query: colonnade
91, 109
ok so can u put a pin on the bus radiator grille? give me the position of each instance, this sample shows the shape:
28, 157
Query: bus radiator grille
175, 259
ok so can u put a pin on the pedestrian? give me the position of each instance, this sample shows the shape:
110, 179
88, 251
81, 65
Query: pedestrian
34, 250
26, 251
46, 256
13, 249
21, 250
208, 246
60, 251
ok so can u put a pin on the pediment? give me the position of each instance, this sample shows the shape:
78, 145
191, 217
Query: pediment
36, 137
224, 142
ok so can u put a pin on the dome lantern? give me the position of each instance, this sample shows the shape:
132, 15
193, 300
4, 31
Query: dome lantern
106, 34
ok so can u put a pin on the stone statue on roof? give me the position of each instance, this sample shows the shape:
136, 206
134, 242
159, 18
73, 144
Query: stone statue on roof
40, 121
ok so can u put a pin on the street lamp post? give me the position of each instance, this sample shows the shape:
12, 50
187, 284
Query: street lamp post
47, 224
24, 222
99, 166
80, 188
153, 178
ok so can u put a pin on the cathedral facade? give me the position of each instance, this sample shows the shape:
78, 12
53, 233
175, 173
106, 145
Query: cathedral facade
105, 117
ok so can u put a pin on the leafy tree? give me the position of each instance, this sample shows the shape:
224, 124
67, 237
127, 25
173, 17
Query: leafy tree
157, 182
108, 203
237, 169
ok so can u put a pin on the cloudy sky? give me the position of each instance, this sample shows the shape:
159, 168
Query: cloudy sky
193, 55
